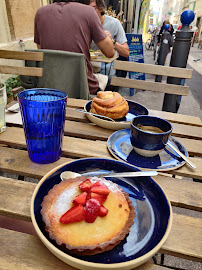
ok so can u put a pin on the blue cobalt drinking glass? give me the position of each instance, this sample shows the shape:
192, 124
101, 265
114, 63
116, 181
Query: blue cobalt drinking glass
43, 115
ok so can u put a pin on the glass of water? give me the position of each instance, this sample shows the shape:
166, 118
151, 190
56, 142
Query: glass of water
3, 102
43, 115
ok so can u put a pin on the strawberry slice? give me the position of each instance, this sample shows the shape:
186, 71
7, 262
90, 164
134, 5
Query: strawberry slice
97, 184
101, 189
85, 185
74, 214
88, 196
92, 210
80, 199
103, 211
100, 197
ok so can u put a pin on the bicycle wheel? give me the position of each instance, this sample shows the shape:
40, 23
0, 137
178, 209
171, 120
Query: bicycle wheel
147, 44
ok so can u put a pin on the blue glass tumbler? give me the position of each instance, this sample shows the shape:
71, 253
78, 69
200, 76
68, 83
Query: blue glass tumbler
43, 116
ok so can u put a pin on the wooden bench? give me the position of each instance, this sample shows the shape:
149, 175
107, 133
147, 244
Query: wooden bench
161, 87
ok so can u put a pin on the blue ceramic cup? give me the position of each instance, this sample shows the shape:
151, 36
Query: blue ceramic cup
149, 134
43, 115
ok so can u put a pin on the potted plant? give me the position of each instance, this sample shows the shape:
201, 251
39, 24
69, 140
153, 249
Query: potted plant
11, 83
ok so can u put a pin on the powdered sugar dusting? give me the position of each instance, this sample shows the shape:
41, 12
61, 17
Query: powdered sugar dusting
111, 186
64, 201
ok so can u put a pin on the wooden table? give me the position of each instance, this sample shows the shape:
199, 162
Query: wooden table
84, 139
105, 60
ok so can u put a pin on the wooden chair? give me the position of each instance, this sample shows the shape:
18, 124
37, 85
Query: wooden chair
62, 70
161, 87
22, 70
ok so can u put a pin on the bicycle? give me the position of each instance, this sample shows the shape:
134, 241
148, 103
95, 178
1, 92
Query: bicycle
149, 45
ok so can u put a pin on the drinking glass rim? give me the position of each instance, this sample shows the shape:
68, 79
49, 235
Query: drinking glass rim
43, 89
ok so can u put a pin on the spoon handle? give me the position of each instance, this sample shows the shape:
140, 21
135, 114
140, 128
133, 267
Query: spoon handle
97, 115
182, 155
69, 174
130, 174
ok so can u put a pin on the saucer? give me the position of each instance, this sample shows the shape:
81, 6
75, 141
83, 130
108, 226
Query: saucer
135, 109
150, 230
120, 147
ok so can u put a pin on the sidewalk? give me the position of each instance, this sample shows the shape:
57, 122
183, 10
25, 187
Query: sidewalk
191, 104
195, 54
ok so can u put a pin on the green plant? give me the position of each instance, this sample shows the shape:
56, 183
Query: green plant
11, 83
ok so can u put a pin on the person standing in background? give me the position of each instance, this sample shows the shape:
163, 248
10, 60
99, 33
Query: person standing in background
114, 30
71, 25
170, 30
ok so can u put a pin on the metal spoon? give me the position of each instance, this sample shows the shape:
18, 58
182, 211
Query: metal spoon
69, 174
14, 108
181, 155
97, 115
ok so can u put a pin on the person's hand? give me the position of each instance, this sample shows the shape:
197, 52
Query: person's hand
108, 34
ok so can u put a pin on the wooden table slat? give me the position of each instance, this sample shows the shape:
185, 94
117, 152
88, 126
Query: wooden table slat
184, 240
177, 118
16, 204
173, 117
17, 161
91, 131
16, 245
83, 148
182, 193
87, 129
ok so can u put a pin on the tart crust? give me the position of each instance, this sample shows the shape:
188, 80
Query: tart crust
58, 201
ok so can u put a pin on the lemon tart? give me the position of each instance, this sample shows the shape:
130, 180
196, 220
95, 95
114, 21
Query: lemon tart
87, 216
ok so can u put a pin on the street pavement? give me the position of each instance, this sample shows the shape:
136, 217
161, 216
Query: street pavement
191, 104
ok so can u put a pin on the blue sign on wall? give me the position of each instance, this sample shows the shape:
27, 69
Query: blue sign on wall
135, 54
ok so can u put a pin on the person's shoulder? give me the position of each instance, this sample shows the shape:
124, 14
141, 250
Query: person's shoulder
42, 9
112, 20
46, 8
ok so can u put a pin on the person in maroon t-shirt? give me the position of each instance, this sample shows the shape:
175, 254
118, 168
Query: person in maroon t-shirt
71, 25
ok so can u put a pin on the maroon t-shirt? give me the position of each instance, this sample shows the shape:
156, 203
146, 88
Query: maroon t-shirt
69, 27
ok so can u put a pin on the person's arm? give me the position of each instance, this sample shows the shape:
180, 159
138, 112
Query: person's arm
38, 46
107, 47
122, 49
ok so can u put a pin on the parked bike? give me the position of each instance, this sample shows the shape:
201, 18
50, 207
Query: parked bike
149, 45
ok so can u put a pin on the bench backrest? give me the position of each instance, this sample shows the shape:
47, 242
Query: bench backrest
176, 72
21, 70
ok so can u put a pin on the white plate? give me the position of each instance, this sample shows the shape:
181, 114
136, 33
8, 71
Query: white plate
135, 109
